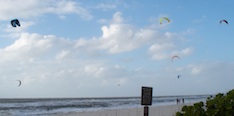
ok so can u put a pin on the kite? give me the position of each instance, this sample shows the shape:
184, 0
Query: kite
178, 76
223, 21
19, 82
15, 22
164, 18
173, 57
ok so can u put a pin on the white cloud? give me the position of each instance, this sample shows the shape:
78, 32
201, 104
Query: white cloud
117, 18
16, 32
26, 47
167, 50
106, 6
35, 46
160, 51
212, 69
183, 52
196, 70
118, 37
63, 54
34, 8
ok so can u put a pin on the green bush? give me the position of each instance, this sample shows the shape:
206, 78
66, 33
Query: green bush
220, 105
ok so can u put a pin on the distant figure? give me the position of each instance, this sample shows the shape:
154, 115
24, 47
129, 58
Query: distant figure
183, 100
177, 101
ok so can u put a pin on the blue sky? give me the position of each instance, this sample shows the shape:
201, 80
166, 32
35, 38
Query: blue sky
111, 48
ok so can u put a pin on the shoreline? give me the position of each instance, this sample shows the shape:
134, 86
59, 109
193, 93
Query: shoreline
164, 110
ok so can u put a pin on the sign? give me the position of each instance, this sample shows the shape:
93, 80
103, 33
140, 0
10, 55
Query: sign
146, 95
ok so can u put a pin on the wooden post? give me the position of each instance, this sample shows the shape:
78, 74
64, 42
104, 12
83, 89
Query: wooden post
146, 111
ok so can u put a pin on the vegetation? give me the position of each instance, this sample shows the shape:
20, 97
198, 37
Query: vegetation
220, 105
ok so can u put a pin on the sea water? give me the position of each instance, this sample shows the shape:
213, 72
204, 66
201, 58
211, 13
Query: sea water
52, 106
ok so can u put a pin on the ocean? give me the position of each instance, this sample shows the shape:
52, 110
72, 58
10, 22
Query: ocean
53, 106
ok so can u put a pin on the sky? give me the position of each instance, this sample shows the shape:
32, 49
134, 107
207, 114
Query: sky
111, 48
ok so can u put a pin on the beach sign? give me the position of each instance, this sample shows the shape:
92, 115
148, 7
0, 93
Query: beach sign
146, 95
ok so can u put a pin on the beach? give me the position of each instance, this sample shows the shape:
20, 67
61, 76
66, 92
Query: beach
165, 110
115, 106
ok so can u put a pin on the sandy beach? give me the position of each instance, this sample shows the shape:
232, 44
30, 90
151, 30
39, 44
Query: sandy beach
167, 110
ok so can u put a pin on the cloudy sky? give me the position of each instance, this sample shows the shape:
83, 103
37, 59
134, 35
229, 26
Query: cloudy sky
111, 48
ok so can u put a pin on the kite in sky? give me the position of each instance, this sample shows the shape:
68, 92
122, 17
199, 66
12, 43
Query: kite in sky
15, 22
178, 76
164, 18
19, 82
173, 57
223, 21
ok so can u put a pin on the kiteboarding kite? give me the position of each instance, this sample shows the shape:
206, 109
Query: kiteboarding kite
178, 76
164, 18
223, 21
19, 82
15, 22
173, 57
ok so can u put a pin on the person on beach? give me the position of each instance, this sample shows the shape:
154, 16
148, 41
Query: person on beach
183, 100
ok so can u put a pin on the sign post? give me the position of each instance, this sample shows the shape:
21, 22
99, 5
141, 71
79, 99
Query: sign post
146, 98
146, 111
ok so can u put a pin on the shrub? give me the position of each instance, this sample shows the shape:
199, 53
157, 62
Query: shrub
220, 105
